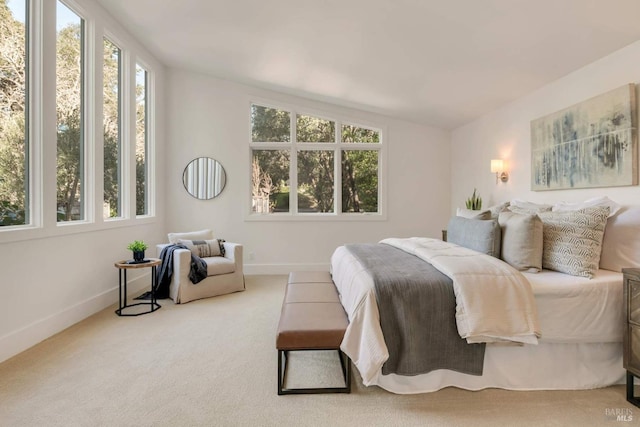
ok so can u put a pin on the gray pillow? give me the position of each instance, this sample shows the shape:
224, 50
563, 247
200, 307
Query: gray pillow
521, 241
477, 234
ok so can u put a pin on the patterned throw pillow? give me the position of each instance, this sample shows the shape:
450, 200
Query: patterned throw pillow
204, 248
572, 240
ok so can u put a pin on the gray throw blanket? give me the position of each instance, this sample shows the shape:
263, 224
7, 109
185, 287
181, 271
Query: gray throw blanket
417, 314
197, 271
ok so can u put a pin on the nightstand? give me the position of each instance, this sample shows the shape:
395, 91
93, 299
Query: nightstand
631, 353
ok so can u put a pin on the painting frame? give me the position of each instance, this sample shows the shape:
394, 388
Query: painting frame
588, 145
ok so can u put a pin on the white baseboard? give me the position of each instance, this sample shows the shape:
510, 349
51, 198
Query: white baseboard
18, 341
283, 268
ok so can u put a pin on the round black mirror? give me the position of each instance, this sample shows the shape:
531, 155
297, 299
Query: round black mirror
204, 178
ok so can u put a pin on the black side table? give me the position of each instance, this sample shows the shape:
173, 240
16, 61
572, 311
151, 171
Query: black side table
122, 267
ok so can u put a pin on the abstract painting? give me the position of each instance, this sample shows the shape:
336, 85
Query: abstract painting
590, 144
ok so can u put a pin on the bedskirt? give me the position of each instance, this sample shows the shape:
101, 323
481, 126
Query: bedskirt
546, 366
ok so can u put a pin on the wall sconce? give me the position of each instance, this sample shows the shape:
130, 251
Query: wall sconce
497, 167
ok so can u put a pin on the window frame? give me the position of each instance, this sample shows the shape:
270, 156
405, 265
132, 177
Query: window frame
149, 139
294, 146
121, 150
29, 157
42, 131
87, 118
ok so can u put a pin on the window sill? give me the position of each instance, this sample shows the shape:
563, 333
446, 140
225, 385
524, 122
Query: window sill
19, 234
288, 217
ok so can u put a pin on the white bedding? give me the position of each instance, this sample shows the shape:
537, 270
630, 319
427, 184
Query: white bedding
576, 309
494, 302
579, 322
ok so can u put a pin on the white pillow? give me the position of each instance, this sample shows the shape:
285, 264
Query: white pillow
524, 207
473, 214
572, 240
589, 203
495, 210
621, 243
192, 235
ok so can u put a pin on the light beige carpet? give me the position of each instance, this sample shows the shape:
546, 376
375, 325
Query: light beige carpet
213, 363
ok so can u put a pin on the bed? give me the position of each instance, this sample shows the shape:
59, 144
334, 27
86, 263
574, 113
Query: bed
579, 318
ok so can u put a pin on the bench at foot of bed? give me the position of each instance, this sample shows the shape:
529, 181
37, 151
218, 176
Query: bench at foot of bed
312, 318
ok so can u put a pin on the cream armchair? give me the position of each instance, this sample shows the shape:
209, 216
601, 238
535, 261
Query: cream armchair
224, 274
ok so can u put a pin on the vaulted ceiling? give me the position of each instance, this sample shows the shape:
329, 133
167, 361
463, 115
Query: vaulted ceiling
437, 62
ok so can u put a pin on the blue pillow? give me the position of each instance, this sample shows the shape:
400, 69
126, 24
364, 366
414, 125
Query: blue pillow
477, 234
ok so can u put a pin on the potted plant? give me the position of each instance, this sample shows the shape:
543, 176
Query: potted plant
138, 247
474, 202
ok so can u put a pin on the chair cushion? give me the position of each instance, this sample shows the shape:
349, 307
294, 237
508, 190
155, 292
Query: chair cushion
219, 265
192, 235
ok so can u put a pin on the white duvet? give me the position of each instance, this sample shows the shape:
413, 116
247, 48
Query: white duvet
494, 302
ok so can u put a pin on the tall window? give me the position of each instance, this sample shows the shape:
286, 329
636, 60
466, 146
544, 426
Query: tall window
302, 164
70, 114
142, 164
360, 172
14, 144
112, 133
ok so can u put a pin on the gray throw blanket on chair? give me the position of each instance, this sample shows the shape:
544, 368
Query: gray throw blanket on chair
197, 272
417, 314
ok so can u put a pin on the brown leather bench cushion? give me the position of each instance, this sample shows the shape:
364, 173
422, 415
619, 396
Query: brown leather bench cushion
311, 292
310, 277
311, 325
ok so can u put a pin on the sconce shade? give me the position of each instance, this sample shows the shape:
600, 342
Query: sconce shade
497, 166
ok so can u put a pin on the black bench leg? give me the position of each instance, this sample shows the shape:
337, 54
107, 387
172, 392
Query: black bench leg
346, 370
345, 364
282, 370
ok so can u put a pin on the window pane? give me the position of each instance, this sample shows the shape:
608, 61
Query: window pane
142, 207
359, 134
111, 125
270, 125
312, 129
69, 108
315, 181
359, 181
270, 181
13, 114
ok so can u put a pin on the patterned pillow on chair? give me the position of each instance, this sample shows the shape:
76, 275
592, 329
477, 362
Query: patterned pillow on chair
204, 248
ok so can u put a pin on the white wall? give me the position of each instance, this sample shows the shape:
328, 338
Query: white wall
210, 117
505, 133
56, 275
